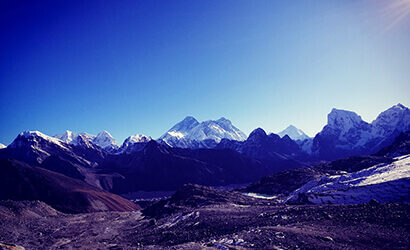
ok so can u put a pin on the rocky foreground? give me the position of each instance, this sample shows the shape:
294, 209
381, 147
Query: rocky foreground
199, 217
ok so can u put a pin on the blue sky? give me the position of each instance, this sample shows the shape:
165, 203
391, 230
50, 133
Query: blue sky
141, 66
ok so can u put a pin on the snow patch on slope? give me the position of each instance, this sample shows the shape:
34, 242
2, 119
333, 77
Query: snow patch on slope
383, 182
176, 134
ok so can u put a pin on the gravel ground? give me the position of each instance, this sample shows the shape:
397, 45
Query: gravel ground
34, 225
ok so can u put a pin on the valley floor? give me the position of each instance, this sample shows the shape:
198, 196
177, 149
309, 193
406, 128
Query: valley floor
34, 225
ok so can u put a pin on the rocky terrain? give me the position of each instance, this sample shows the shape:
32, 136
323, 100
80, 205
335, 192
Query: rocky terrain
199, 218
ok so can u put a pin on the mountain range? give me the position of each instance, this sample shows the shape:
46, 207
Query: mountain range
347, 134
344, 134
207, 153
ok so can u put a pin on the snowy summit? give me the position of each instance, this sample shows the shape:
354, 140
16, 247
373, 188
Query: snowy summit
134, 143
190, 133
294, 133
103, 139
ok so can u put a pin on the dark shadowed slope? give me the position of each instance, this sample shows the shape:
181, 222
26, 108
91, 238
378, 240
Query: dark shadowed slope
400, 146
19, 181
193, 196
159, 167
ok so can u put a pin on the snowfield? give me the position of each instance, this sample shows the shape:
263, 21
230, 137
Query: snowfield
382, 182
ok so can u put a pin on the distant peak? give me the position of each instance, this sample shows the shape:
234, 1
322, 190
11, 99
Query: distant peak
104, 133
289, 128
259, 132
190, 119
399, 106
188, 122
105, 140
294, 133
396, 117
336, 111
33, 136
32, 133
337, 116
224, 121
137, 138
183, 126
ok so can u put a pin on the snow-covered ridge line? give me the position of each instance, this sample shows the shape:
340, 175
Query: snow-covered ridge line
189, 133
133, 143
34, 134
103, 139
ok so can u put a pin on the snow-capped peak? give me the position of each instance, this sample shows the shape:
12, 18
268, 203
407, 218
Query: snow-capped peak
342, 117
185, 125
67, 136
394, 118
137, 138
343, 120
224, 121
180, 130
33, 135
294, 133
215, 130
71, 137
134, 143
105, 140
2, 146
400, 106
190, 130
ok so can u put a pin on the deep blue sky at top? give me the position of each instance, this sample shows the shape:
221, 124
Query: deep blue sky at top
141, 66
